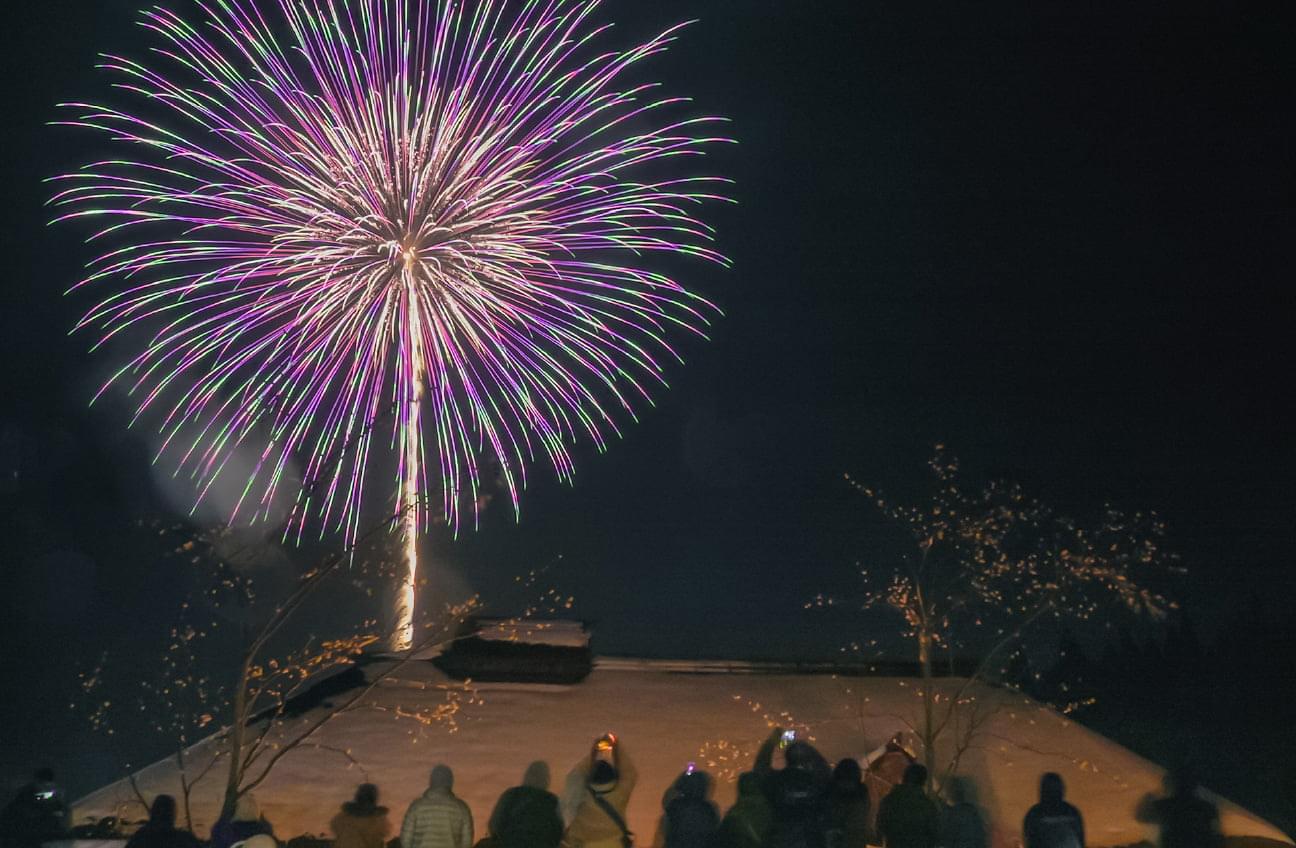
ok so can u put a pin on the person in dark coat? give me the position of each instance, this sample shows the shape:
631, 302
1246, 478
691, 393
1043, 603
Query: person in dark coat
160, 831
246, 823
1186, 819
748, 822
692, 819
527, 816
798, 793
848, 806
36, 814
1053, 823
361, 823
907, 818
964, 826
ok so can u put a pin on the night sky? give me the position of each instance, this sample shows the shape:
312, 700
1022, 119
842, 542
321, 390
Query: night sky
1057, 239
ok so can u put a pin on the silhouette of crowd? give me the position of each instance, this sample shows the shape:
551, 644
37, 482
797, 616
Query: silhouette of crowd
802, 803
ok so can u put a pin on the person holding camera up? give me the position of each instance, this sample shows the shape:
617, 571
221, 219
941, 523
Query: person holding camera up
599, 790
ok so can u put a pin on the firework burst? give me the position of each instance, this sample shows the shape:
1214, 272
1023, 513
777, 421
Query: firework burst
426, 227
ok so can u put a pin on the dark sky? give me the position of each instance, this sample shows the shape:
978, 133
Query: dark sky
1057, 237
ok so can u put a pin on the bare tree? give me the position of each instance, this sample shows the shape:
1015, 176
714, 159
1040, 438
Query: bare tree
242, 719
988, 566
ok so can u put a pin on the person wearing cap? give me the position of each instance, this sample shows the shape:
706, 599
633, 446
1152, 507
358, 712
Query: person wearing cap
602, 785
361, 823
438, 819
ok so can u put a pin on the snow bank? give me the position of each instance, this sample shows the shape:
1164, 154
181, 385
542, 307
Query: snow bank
667, 715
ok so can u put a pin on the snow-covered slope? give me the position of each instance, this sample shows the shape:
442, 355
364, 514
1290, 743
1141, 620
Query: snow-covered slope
668, 714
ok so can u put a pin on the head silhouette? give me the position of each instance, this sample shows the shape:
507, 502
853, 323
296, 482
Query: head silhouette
1052, 789
537, 775
915, 775
847, 772
603, 775
694, 785
1181, 781
802, 755
962, 790
163, 811
246, 808
442, 778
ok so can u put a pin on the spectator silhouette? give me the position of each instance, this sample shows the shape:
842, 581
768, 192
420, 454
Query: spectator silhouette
748, 822
160, 830
691, 819
438, 819
1186, 819
245, 823
599, 788
907, 818
885, 771
36, 814
848, 806
1053, 823
361, 822
527, 816
963, 826
798, 793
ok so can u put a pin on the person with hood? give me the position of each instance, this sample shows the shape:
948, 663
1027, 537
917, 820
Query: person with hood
246, 823
848, 806
160, 830
527, 816
438, 819
1186, 819
749, 820
907, 818
798, 792
361, 822
691, 819
36, 814
963, 826
599, 790
1053, 823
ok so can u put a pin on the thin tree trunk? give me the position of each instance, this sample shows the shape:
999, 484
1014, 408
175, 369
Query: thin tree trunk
929, 716
238, 731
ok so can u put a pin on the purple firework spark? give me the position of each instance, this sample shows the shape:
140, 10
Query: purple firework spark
438, 213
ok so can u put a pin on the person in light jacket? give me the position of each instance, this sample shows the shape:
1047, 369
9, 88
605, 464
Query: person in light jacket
438, 819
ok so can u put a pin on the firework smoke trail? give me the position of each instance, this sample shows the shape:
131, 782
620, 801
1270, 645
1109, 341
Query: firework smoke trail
439, 217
